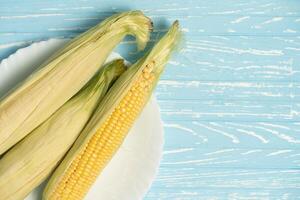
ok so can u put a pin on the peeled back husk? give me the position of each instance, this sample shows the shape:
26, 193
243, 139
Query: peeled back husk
64, 74
29, 162
111, 122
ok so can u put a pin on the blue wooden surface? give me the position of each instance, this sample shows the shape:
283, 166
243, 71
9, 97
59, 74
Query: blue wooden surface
229, 99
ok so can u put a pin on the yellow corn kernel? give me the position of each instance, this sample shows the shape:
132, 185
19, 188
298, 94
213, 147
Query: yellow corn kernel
103, 136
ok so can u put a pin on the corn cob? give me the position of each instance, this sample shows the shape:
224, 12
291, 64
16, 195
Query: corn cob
110, 124
64, 74
29, 162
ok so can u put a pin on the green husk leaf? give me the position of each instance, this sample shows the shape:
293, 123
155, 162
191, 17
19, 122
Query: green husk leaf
30, 161
64, 74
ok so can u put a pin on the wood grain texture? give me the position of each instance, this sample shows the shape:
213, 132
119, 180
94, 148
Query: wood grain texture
229, 98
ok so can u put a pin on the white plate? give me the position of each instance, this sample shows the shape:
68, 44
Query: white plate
131, 171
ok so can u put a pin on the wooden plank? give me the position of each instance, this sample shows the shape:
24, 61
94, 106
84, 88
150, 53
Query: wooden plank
230, 178
228, 158
229, 110
195, 25
166, 7
211, 58
200, 135
237, 59
228, 90
218, 194
192, 183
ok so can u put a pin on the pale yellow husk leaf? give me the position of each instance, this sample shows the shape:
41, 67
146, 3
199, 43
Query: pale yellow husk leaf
64, 74
29, 162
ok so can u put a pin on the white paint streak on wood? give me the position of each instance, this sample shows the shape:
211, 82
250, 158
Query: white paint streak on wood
267, 94
68, 8
281, 135
294, 155
226, 173
179, 84
32, 16
230, 30
81, 19
229, 114
279, 152
285, 196
270, 67
220, 37
226, 85
218, 162
204, 139
275, 125
204, 63
68, 29
293, 48
171, 4
239, 20
219, 152
251, 151
253, 134
189, 161
225, 12
170, 9
7, 34
266, 5
274, 19
231, 50
174, 63
183, 150
233, 138
289, 31
204, 41
269, 129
